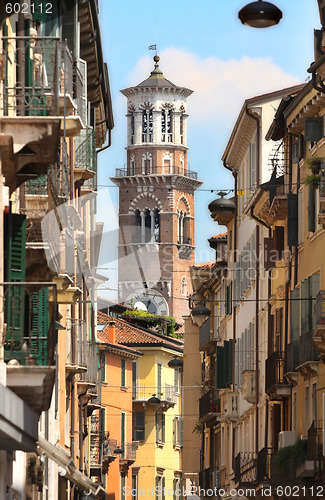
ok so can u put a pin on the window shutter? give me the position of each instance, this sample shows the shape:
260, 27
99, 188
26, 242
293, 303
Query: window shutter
236, 365
240, 349
40, 323
163, 487
311, 208
69, 26
163, 427
123, 433
220, 368
82, 99
157, 426
278, 329
292, 220
122, 372
279, 241
102, 367
295, 314
102, 421
159, 379
156, 487
313, 128
39, 13
304, 306
180, 433
139, 426
174, 431
314, 288
252, 165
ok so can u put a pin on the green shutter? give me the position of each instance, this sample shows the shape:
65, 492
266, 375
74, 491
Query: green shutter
157, 426
220, 368
102, 366
295, 314
122, 372
123, 433
40, 324
180, 440
313, 128
39, 10
163, 427
163, 487
292, 220
304, 306
69, 25
314, 288
311, 209
159, 379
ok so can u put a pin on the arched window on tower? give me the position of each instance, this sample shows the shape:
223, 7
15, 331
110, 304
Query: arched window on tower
137, 236
156, 230
181, 125
170, 125
132, 128
150, 138
147, 225
180, 227
163, 126
144, 125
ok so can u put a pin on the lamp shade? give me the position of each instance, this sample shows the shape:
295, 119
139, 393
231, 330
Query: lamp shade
175, 363
154, 400
118, 451
200, 311
260, 14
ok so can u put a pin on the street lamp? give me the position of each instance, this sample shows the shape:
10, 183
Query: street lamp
260, 14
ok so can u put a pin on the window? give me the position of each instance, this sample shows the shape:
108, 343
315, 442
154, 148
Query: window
123, 363
178, 431
135, 478
122, 487
177, 489
184, 286
159, 490
166, 125
102, 366
176, 381
132, 127
159, 371
123, 423
146, 164
138, 425
160, 428
134, 379
252, 165
181, 125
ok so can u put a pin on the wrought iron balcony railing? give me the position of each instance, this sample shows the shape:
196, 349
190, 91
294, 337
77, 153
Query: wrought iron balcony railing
246, 468
209, 404
156, 170
30, 328
32, 76
85, 150
129, 452
275, 370
164, 393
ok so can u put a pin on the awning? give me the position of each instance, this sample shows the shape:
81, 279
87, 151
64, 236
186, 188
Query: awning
63, 459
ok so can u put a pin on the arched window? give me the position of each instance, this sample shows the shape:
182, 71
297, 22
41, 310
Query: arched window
170, 126
132, 128
167, 125
147, 125
137, 236
144, 125
180, 227
184, 286
163, 126
147, 224
181, 125
156, 230
132, 167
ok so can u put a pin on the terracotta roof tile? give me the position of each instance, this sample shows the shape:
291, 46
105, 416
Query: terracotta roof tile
220, 236
128, 334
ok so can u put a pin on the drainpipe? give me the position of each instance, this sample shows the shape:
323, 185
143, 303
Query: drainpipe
235, 176
257, 285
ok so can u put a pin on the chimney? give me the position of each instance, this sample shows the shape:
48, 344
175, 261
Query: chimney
111, 331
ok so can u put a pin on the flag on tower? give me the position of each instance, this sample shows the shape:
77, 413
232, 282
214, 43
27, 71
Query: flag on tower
152, 47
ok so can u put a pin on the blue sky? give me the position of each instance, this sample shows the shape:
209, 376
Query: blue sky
202, 46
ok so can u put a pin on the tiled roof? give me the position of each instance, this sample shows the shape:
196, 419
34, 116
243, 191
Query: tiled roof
205, 265
131, 335
220, 236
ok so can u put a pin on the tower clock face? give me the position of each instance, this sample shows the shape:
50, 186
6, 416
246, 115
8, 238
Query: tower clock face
148, 300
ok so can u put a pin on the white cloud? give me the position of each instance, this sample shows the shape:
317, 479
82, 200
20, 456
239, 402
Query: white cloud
220, 87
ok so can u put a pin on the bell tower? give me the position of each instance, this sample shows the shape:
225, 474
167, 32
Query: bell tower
156, 199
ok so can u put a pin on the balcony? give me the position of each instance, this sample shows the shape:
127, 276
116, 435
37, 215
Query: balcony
101, 447
319, 322
157, 170
30, 106
245, 468
29, 343
229, 405
249, 387
85, 166
308, 356
209, 406
166, 394
276, 384
205, 478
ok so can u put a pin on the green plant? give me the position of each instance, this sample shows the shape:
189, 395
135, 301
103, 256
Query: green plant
163, 324
290, 457
313, 179
198, 429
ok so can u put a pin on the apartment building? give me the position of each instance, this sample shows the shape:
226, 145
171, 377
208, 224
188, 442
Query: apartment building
55, 114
